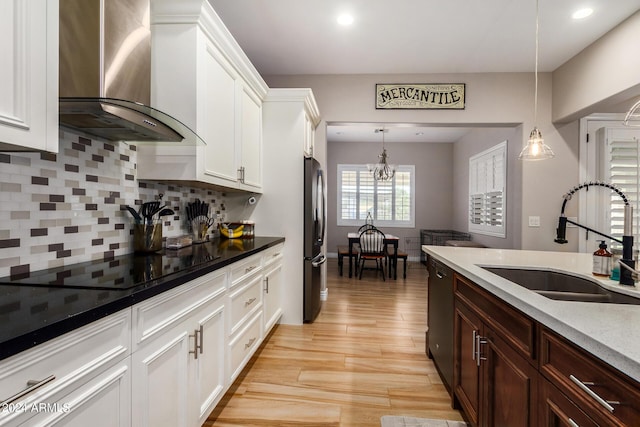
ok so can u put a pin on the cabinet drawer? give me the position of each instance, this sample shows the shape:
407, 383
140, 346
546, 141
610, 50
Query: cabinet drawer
158, 314
272, 254
243, 345
589, 382
558, 410
245, 268
245, 300
67, 361
512, 325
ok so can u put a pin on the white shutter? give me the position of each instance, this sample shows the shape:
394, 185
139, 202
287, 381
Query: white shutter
487, 192
620, 168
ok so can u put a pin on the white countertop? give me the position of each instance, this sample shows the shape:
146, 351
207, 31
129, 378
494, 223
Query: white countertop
608, 331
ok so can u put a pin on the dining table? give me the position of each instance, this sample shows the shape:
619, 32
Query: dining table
389, 239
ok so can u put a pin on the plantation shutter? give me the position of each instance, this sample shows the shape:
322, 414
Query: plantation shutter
620, 167
487, 192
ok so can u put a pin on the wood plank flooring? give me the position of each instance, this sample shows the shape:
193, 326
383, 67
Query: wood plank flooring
361, 359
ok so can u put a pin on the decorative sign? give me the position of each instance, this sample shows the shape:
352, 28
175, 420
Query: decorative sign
409, 96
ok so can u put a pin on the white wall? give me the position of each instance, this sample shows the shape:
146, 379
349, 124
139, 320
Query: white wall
493, 99
602, 75
434, 184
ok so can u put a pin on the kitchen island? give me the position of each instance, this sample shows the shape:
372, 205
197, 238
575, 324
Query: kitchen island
553, 361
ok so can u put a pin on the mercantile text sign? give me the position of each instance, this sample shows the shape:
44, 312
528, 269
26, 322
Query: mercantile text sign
410, 96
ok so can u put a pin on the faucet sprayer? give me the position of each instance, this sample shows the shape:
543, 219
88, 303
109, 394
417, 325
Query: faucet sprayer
626, 273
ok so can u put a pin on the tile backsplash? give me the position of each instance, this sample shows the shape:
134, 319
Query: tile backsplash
65, 208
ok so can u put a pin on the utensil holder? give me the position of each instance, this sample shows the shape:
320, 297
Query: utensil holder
147, 237
199, 230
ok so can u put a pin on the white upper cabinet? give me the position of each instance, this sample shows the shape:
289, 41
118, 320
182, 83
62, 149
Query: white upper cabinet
29, 75
201, 77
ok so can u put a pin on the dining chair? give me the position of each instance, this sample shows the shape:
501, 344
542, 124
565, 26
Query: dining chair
372, 248
356, 248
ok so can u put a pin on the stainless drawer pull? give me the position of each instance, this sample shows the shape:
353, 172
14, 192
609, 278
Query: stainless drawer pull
479, 341
572, 423
276, 254
198, 342
584, 386
249, 302
32, 385
266, 284
248, 269
250, 343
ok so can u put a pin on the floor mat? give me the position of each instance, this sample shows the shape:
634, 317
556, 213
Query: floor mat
394, 421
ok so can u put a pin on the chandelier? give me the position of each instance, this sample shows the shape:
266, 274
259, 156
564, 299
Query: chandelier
536, 149
382, 171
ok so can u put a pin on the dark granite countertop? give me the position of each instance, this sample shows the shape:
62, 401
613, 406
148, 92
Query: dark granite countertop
35, 309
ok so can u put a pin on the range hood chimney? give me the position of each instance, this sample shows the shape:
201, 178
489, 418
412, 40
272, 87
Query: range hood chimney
105, 73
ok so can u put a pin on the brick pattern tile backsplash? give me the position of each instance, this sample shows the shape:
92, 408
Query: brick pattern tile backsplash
65, 208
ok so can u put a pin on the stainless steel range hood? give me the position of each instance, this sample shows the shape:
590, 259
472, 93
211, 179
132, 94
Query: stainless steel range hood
105, 73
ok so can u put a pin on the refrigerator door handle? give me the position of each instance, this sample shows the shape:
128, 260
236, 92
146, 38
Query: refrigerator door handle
319, 260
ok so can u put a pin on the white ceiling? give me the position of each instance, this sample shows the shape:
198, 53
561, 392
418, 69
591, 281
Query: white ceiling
414, 36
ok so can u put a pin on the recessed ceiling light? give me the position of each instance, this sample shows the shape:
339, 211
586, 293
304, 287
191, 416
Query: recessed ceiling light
582, 13
345, 19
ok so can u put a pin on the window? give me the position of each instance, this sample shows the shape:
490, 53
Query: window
390, 203
620, 151
487, 193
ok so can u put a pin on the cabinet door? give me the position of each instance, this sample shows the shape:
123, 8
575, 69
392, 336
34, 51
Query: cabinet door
161, 379
250, 138
509, 385
466, 371
209, 366
272, 304
216, 117
29, 75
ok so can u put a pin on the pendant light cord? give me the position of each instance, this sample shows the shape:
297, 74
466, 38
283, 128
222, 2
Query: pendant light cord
535, 96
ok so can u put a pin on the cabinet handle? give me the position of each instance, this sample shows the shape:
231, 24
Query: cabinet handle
584, 386
201, 330
249, 302
440, 275
479, 341
248, 269
198, 342
266, 284
32, 385
250, 343
241, 174
473, 345
572, 423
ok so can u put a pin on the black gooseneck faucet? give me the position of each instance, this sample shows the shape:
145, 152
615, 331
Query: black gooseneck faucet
626, 277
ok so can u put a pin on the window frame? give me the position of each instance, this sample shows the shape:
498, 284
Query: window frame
484, 190
378, 222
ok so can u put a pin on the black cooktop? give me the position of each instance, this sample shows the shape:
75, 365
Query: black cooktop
123, 272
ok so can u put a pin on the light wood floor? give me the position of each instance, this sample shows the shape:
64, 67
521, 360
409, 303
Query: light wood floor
361, 359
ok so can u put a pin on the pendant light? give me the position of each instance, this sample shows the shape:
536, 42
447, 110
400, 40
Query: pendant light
382, 171
536, 149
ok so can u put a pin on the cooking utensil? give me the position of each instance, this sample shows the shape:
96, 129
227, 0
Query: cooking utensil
135, 214
166, 212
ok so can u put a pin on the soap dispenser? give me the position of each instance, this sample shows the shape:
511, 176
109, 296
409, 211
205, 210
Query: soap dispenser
602, 261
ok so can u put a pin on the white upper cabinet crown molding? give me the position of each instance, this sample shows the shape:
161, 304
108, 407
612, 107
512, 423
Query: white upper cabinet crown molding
304, 95
200, 12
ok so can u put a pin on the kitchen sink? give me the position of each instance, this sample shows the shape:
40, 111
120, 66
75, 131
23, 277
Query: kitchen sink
560, 286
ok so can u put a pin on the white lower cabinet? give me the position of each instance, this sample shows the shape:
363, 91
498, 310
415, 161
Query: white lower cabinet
80, 378
178, 372
166, 361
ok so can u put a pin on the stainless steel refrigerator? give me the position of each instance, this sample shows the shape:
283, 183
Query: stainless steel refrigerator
314, 228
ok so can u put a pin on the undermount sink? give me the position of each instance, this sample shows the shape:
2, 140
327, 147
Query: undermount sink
560, 286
